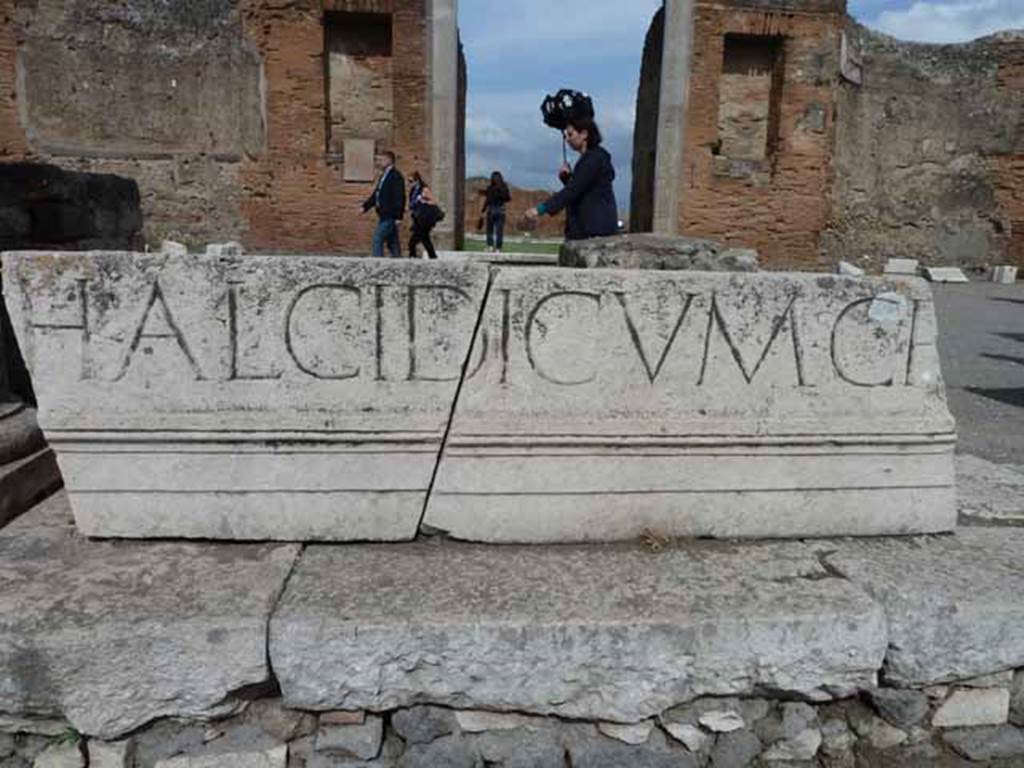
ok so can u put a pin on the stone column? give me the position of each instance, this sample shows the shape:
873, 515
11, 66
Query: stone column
677, 54
443, 110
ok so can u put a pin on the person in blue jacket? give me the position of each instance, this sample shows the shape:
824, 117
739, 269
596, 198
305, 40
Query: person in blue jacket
588, 197
388, 199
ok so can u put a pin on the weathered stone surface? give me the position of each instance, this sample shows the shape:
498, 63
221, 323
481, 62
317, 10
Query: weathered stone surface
392, 626
982, 744
720, 721
836, 738
658, 752
479, 721
114, 635
735, 750
362, 741
272, 758
60, 756
280, 722
989, 490
693, 404
423, 724
902, 708
689, 735
875, 731
801, 735
851, 270
33, 725
970, 707
252, 398
1017, 699
647, 251
111, 754
636, 733
951, 602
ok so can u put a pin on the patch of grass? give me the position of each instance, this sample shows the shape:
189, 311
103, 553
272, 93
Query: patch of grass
69, 737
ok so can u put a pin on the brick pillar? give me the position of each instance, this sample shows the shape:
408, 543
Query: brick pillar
677, 54
444, 101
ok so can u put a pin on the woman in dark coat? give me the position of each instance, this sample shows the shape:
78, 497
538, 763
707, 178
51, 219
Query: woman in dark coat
588, 197
495, 197
424, 210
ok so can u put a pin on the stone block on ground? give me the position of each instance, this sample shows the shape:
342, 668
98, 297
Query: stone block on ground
614, 403
945, 275
113, 635
952, 602
259, 397
972, 707
901, 267
850, 270
988, 490
540, 630
1005, 275
1003, 742
649, 251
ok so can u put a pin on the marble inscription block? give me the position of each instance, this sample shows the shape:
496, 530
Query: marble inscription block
255, 397
603, 404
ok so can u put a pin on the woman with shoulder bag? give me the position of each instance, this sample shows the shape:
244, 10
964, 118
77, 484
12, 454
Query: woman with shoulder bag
425, 215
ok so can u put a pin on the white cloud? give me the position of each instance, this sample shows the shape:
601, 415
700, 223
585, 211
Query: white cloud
950, 21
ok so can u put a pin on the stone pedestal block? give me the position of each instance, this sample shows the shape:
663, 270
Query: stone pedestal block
254, 397
611, 404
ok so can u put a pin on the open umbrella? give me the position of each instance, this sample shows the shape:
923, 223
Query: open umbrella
559, 108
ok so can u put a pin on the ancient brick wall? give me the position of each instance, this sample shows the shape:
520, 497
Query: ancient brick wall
756, 170
930, 153
220, 110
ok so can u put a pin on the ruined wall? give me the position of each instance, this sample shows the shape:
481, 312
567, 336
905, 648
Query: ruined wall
756, 170
219, 109
645, 135
930, 153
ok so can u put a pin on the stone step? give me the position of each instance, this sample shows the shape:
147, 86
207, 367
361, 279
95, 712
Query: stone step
110, 635
614, 633
26, 481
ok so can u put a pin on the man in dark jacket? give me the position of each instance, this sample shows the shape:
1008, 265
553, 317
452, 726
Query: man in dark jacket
588, 196
388, 199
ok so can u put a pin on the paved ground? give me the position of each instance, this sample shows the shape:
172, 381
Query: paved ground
981, 340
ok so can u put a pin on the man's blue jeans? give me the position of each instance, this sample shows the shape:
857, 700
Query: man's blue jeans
386, 232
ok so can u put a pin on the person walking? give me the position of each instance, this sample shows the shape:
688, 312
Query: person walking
495, 198
424, 211
388, 199
588, 197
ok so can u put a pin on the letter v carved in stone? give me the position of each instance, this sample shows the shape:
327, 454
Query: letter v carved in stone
634, 334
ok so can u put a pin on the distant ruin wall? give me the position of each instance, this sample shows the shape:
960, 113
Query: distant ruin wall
929, 152
770, 196
645, 135
220, 110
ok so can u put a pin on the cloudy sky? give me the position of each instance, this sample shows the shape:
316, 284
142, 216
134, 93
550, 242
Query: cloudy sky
520, 50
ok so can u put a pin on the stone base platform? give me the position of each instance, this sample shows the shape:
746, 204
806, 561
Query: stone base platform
111, 636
